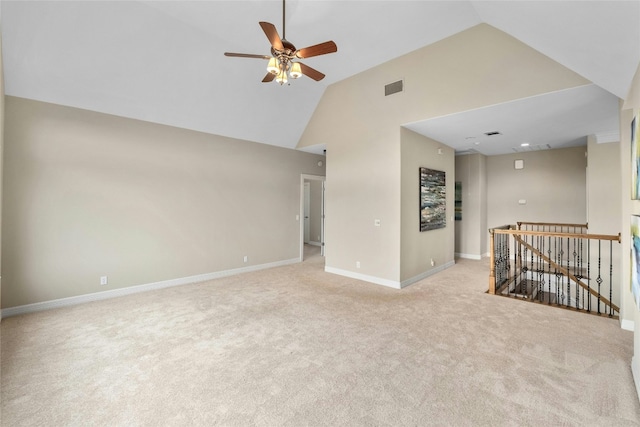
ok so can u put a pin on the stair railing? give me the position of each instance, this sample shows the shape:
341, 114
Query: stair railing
555, 264
556, 227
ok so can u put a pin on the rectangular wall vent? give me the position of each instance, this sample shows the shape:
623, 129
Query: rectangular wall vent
394, 87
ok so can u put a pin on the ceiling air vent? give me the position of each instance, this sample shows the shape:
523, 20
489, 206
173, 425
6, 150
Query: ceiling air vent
495, 132
394, 87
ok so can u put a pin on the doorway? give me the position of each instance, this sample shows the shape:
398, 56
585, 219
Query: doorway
312, 215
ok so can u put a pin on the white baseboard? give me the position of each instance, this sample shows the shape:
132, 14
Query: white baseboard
627, 325
114, 293
372, 279
468, 256
427, 274
635, 370
386, 282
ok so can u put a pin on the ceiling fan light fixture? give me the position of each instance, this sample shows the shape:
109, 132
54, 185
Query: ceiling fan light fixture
296, 71
281, 66
273, 67
282, 77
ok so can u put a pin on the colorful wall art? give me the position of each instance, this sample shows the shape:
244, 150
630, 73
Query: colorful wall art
635, 258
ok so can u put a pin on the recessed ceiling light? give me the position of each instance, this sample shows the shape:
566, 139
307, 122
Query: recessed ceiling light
524, 144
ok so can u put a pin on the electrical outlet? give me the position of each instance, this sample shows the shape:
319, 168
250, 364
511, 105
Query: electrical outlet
432, 262
357, 264
246, 258
103, 280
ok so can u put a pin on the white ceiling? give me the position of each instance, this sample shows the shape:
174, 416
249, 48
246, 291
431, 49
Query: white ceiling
163, 62
556, 120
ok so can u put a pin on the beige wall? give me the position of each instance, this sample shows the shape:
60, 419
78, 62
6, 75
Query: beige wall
471, 231
604, 209
553, 183
361, 129
419, 248
89, 195
603, 185
484, 206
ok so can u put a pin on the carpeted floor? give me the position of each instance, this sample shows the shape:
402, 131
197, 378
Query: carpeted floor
296, 346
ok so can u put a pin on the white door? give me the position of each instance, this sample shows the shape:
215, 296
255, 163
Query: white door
307, 209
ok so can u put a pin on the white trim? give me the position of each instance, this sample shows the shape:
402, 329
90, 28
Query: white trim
468, 256
426, 274
376, 280
627, 325
635, 370
386, 282
114, 293
307, 177
312, 243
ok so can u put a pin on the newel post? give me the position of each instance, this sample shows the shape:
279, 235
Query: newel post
492, 263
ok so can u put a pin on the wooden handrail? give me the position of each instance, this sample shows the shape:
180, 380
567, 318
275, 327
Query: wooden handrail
611, 237
552, 224
503, 227
566, 272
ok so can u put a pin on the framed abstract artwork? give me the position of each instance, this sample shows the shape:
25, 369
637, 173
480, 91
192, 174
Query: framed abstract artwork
635, 156
433, 199
458, 201
635, 258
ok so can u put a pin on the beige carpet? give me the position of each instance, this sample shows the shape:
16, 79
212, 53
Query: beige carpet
296, 346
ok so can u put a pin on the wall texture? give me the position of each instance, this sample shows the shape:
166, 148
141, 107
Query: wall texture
361, 127
553, 183
89, 195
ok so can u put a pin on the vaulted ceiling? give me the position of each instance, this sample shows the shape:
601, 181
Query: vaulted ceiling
163, 62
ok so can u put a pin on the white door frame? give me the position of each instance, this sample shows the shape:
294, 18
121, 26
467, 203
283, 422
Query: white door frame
303, 178
307, 211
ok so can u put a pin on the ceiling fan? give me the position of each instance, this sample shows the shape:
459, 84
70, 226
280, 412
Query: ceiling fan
284, 60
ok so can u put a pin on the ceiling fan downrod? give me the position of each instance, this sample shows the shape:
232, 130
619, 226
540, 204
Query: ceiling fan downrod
284, 29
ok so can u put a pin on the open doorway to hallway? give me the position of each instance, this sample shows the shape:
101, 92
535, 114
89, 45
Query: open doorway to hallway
312, 205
